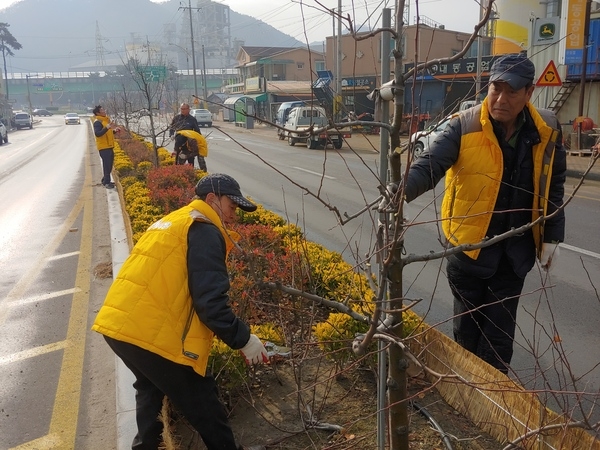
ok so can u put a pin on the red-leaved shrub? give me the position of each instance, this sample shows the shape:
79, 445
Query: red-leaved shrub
172, 187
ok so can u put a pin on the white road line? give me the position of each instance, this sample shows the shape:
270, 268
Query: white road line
218, 138
313, 173
66, 255
33, 352
580, 250
39, 298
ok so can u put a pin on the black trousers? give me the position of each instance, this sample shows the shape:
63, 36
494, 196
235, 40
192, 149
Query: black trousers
485, 312
193, 395
108, 156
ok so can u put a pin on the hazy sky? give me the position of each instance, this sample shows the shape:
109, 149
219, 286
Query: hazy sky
295, 17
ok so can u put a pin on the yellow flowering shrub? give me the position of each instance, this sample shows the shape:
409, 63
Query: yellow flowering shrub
142, 213
165, 158
143, 168
122, 163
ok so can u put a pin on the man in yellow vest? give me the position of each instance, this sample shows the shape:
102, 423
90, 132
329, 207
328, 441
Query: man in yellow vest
104, 130
166, 304
505, 167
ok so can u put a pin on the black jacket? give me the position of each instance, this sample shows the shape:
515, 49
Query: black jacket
515, 196
209, 283
183, 122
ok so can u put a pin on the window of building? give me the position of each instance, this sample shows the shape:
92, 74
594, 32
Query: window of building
300, 66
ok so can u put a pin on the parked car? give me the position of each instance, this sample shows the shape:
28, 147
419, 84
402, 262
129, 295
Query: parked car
423, 139
72, 118
41, 112
3, 134
203, 116
23, 120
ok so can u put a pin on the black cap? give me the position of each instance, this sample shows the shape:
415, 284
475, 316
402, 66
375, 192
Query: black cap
221, 184
514, 69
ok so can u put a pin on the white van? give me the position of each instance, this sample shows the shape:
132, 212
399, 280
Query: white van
299, 122
282, 115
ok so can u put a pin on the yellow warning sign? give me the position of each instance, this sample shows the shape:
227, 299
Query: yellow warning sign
549, 76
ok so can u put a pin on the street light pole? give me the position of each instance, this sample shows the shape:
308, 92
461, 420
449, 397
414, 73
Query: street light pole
187, 56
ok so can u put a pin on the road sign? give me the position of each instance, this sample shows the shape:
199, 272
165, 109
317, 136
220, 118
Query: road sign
154, 73
549, 76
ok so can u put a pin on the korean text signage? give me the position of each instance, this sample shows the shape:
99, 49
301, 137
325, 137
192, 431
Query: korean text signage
463, 68
365, 83
575, 37
253, 84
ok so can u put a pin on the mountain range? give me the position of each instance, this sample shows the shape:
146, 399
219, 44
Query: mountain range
58, 35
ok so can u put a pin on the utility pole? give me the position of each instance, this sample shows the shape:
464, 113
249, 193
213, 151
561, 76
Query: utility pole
338, 67
204, 78
584, 59
28, 94
479, 55
189, 8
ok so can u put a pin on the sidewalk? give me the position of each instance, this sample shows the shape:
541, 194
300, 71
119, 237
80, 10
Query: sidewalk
576, 165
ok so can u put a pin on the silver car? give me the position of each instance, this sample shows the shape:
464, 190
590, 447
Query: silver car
421, 140
203, 116
72, 118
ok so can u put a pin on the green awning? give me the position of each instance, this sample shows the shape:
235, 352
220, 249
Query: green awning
257, 97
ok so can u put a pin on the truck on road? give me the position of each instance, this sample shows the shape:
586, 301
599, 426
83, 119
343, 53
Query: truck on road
301, 123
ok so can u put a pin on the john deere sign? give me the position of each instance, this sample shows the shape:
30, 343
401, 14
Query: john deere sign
546, 30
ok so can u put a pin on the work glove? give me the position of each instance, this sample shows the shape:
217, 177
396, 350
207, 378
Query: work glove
550, 253
254, 351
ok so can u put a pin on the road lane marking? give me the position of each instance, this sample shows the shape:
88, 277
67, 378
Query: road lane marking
29, 278
40, 298
313, 173
68, 392
47, 442
33, 352
580, 250
65, 255
63, 424
218, 138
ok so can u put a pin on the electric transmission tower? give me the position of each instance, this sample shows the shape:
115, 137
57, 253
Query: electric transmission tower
100, 62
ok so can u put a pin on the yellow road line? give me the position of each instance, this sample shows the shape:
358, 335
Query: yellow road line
44, 443
68, 392
63, 424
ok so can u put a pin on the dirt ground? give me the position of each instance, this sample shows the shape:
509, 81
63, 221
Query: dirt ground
273, 411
